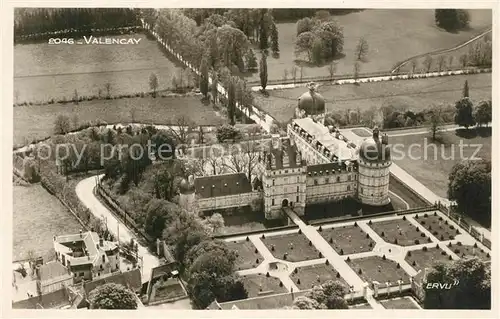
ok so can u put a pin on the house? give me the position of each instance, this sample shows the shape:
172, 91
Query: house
52, 276
86, 255
63, 298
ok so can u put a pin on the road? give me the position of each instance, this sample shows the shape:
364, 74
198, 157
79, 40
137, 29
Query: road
85, 192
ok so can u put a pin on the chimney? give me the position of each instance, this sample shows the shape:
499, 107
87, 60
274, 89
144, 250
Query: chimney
101, 242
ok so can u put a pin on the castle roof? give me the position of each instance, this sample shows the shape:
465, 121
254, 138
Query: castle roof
312, 103
328, 168
373, 150
222, 185
321, 134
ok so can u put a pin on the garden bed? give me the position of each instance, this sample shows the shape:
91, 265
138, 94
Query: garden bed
259, 284
309, 276
296, 246
438, 226
348, 240
247, 254
425, 257
375, 268
399, 232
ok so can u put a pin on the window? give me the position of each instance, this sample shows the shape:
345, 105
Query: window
103, 258
361, 190
327, 180
349, 178
101, 267
297, 189
286, 180
315, 182
81, 274
272, 202
298, 179
355, 177
98, 274
297, 199
348, 188
273, 182
338, 179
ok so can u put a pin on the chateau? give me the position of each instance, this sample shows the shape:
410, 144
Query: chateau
312, 164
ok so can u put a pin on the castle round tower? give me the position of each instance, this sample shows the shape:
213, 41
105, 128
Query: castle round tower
374, 163
187, 195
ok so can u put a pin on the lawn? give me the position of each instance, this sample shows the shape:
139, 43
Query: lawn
414, 94
399, 303
309, 276
348, 240
37, 218
38, 76
430, 163
399, 231
468, 251
426, 257
296, 246
247, 254
393, 35
375, 268
438, 226
38, 121
258, 284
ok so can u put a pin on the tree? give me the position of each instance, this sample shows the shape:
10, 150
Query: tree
263, 36
263, 71
473, 290
414, 64
317, 51
305, 303
304, 43
274, 39
293, 72
153, 83
204, 78
357, 68
441, 62
465, 91
215, 222
305, 25
112, 296
463, 113
214, 88
361, 49
75, 97
451, 19
227, 132
332, 69
159, 211
464, 60
469, 184
62, 124
483, 113
231, 100
428, 63
435, 120
107, 87
251, 61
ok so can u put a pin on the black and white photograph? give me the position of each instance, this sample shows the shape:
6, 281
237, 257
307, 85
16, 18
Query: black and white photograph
323, 158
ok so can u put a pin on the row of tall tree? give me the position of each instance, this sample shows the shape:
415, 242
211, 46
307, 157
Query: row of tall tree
30, 21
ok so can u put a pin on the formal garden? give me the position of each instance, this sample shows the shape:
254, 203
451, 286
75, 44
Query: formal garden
291, 247
438, 226
399, 232
346, 240
426, 257
381, 269
247, 256
259, 284
306, 277
469, 251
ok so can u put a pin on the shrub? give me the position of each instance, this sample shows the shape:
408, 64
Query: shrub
370, 244
367, 236
298, 281
395, 241
456, 251
422, 235
310, 243
414, 263
300, 231
383, 257
429, 240
348, 259
327, 262
424, 248
320, 228
320, 255
281, 284
360, 271
256, 251
338, 275
442, 237
257, 261
331, 240
355, 224
398, 266
383, 234
370, 222
404, 217
247, 239
425, 215
263, 236
450, 258
341, 251
417, 241
267, 274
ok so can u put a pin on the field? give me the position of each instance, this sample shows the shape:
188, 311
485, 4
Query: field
309, 276
38, 121
404, 34
415, 94
296, 246
38, 76
37, 217
433, 170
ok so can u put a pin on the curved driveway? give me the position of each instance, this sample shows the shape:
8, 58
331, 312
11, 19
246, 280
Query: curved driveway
85, 192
